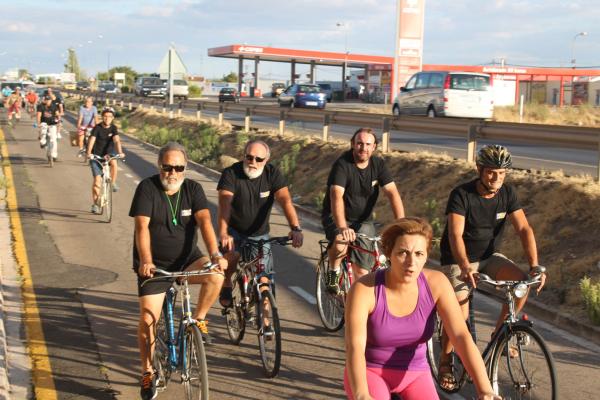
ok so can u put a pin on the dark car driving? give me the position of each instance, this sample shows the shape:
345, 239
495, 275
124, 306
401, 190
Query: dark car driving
229, 94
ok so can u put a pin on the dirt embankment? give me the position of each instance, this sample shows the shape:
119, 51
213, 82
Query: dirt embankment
562, 211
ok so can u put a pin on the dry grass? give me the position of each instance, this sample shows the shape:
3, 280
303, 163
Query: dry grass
562, 210
584, 115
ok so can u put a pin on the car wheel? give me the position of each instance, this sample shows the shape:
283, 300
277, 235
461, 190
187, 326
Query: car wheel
396, 111
431, 112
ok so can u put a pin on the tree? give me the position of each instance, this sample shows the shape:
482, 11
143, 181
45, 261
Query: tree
231, 77
130, 75
72, 64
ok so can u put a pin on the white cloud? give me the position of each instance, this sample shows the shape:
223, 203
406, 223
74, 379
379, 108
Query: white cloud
157, 11
17, 27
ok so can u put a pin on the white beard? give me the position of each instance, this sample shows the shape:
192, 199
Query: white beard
253, 173
171, 187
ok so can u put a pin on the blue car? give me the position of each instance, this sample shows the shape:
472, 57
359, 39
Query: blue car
303, 95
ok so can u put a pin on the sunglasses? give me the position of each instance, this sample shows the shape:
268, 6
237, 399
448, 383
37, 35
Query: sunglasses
169, 168
252, 158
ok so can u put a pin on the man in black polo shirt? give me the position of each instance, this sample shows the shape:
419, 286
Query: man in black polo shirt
352, 191
47, 118
477, 212
247, 191
104, 141
168, 210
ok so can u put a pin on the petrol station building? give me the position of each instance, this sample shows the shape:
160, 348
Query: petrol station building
556, 86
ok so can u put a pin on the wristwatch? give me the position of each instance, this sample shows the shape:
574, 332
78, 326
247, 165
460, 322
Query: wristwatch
296, 228
217, 254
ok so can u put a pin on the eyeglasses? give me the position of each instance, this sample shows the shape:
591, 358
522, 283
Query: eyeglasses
169, 168
252, 158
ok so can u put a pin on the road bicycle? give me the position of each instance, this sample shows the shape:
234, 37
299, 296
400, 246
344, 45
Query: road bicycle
518, 361
49, 139
253, 302
180, 351
105, 200
331, 305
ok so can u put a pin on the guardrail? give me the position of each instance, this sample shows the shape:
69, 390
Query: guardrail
570, 137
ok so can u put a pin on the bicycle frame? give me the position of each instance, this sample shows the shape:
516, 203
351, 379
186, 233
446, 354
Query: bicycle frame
176, 343
252, 271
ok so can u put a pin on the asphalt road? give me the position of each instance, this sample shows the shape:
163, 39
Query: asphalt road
86, 291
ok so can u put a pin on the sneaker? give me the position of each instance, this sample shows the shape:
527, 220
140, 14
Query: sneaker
332, 281
58, 135
80, 153
95, 209
202, 324
268, 332
148, 389
115, 187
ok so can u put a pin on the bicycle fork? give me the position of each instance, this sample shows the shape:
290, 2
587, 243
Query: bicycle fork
168, 310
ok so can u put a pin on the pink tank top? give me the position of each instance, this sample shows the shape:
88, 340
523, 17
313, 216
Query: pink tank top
400, 342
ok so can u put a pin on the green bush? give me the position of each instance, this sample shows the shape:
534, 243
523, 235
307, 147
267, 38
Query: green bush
431, 212
124, 123
591, 297
287, 163
195, 91
318, 199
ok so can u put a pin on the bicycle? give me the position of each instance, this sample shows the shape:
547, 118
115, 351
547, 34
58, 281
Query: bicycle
49, 139
105, 201
331, 305
86, 138
253, 301
530, 374
182, 352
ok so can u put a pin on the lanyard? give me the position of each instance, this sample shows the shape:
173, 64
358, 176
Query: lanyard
174, 212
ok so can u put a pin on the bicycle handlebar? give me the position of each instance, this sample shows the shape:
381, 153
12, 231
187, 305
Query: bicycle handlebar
281, 240
101, 159
362, 236
538, 271
208, 269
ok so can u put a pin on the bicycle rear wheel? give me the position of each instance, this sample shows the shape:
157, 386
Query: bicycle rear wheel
434, 351
234, 316
330, 306
107, 206
194, 374
269, 340
531, 374
160, 357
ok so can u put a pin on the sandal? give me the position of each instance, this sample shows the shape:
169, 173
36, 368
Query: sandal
225, 297
446, 378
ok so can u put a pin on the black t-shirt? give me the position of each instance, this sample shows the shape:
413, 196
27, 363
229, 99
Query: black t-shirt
252, 198
49, 113
104, 139
171, 245
361, 186
484, 220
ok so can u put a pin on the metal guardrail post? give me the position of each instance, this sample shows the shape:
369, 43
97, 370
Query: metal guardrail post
385, 139
221, 109
281, 122
247, 120
107, 101
199, 112
598, 169
165, 108
170, 111
151, 105
471, 143
130, 106
122, 103
179, 110
326, 122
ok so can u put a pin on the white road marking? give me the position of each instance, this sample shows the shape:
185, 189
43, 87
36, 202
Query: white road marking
129, 176
304, 294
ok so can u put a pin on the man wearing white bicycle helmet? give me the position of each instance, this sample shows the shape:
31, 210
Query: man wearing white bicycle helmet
477, 212
104, 141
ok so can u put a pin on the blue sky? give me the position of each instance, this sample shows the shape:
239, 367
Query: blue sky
36, 34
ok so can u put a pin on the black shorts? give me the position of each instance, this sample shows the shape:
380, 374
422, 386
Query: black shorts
161, 286
362, 259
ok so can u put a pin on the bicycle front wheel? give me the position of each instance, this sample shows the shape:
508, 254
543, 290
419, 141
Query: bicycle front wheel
522, 366
234, 315
108, 203
194, 374
269, 334
330, 306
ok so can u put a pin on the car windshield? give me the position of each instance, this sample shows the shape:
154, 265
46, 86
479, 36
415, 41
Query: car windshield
309, 89
152, 81
325, 86
179, 82
470, 82
228, 90
278, 86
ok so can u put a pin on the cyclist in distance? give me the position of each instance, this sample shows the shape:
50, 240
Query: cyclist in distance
390, 316
477, 212
88, 118
352, 191
60, 103
32, 100
104, 141
48, 113
247, 191
14, 105
6, 92
168, 210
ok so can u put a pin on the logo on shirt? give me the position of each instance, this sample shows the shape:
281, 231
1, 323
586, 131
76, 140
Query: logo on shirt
374, 183
186, 213
265, 194
501, 215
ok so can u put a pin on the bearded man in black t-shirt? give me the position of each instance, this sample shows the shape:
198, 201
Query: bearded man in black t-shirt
247, 191
168, 210
352, 191
477, 212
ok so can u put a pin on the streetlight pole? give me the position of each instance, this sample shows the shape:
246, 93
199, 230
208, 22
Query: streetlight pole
573, 47
345, 27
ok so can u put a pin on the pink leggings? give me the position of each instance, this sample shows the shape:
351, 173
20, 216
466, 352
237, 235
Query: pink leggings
411, 385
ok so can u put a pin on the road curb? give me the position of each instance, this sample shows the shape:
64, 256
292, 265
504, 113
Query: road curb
4, 383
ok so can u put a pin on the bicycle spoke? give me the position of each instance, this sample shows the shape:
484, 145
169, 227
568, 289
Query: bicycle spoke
269, 334
331, 306
195, 373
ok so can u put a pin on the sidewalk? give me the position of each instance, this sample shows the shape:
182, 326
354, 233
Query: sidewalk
15, 364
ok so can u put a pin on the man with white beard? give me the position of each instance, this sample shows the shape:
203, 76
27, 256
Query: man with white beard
168, 209
247, 190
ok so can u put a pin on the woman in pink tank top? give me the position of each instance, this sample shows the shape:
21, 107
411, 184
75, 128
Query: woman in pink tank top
390, 317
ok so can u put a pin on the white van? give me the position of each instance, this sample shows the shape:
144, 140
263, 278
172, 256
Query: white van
446, 94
